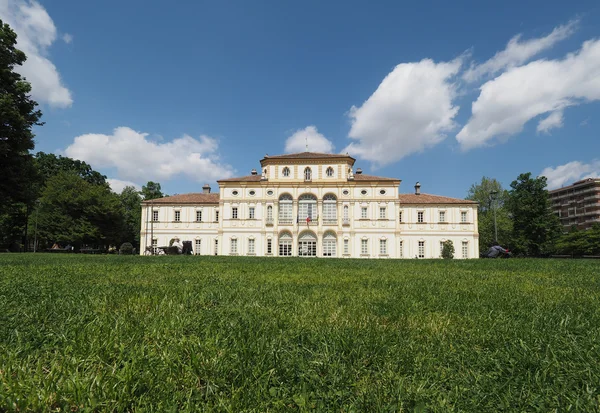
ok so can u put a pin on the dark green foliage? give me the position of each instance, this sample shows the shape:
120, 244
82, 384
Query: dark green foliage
132, 210
126, 249
535, 227
579, 243
151, 191
448, 250
189, 333
49, 165
74, 211
18, 114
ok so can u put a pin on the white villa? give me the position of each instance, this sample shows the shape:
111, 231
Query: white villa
312, 204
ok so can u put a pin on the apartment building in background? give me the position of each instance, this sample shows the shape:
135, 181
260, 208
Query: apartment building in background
578, 204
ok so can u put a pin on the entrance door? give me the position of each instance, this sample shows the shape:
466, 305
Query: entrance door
307, 245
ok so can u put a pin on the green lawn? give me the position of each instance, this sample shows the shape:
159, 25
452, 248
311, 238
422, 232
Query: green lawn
114, 333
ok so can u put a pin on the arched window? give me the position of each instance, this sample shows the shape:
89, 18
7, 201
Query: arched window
270, 213
329, 208
346, 213
307, 174
285, 208
285, 244
307, 207
329, 172
286, 172
307, 244
329, 244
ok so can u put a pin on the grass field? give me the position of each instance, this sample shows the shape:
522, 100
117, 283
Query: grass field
114, 333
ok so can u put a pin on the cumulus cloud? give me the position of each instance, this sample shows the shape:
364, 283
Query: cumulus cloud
118, 185
35, 34
554, 120
138, 159
570, 172
308, 136
518, 52
412, 109
507, 102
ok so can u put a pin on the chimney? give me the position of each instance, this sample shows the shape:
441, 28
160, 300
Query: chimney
417, 189
253, 172
358, 171
206, 189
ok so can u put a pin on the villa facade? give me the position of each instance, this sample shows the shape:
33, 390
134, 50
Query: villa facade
312, 204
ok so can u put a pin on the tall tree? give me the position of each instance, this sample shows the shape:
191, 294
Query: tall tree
151, 191
535, 226
492, 198
132, 210
18, 114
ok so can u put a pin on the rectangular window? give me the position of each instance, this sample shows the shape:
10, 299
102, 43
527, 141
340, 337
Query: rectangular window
463, 216
251, 213
400, 216
251, 246
346, 246
383, 246
329, 211
382, 214
401, 251
154, 246
269, 213
421, 249
155, 216
420, 216
363, 213
177, 216
233, 246
199, 216
269, 246
285, 247
346, 217
216, 216
216, 247
234, 213
364, 246
441, 247
465, 249
285, 211
198, 247
442, 216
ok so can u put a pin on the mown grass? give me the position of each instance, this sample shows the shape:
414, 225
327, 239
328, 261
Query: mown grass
111, 333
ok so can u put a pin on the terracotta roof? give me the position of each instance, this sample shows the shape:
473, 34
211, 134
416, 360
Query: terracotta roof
195, 198
431, 199
249, 178
308, 155
363, 177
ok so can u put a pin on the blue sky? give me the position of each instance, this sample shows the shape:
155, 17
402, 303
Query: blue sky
185, 93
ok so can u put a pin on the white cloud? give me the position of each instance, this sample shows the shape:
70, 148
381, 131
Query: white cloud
118, 185
411, 110
67, 38
518, 52
507, 102
570, 172
35, 34
554, 120
138, 159
311, 136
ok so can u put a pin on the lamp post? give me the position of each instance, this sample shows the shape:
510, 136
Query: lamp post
37, 213
493, 195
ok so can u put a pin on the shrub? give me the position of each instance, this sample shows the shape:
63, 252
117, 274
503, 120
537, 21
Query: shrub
126, 249
448, 250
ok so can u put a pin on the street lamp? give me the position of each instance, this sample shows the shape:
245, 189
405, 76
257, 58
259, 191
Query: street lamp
493, 195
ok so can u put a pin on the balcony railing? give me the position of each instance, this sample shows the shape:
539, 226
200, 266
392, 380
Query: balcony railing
286, 221
345, 222
269, 221
330, 222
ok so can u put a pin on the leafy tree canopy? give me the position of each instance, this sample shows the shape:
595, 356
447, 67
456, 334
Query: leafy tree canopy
49, 165
151, 191
489, 204
18, 114
535, 226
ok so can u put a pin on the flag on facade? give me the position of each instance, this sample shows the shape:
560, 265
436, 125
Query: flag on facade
307, 220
